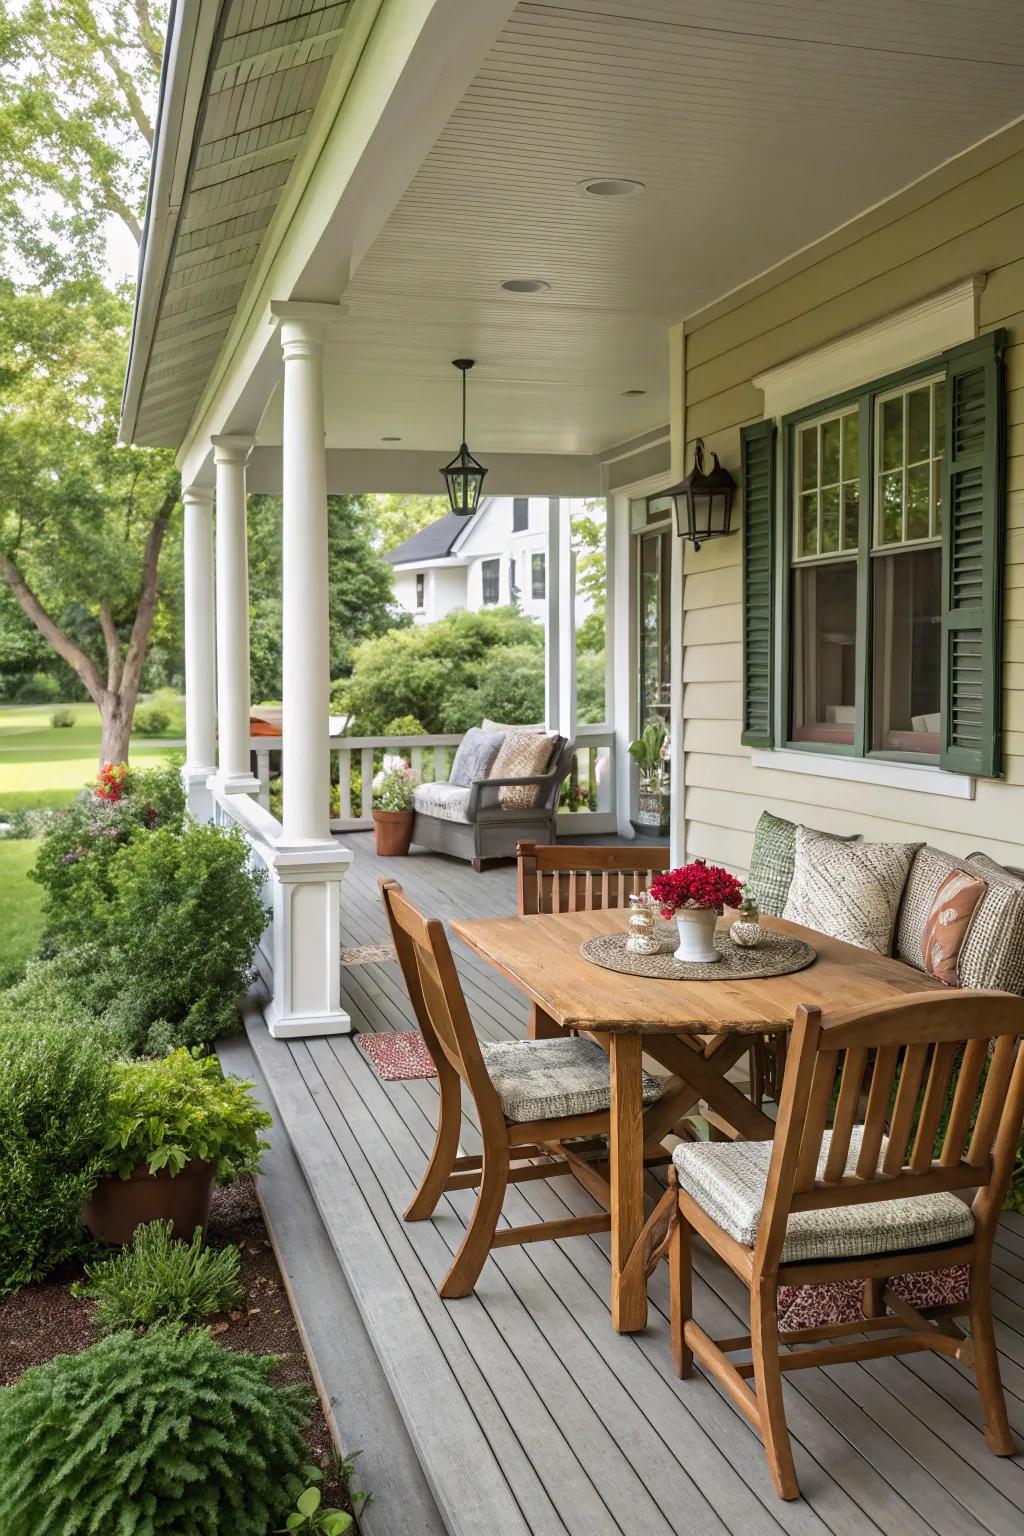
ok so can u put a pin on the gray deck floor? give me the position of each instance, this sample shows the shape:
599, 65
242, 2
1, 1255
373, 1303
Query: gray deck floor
528, 1412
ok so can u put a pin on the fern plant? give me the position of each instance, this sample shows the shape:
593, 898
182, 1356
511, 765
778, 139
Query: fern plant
160, 1279
167, 1434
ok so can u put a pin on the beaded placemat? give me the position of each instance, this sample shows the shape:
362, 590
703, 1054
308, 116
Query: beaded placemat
776, 955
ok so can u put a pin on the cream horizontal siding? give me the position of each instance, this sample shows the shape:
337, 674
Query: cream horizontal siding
970, 221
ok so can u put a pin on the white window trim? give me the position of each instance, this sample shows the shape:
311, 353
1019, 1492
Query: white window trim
923, 778
913, 335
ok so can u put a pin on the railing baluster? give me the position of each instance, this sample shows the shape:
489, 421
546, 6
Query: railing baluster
416, 761
366, 767
263, 774
345, 784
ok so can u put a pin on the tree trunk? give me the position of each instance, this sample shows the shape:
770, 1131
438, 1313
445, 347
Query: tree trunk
116, 713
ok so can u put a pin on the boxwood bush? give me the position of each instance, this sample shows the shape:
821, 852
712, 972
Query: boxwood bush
164, 1433
55, 1103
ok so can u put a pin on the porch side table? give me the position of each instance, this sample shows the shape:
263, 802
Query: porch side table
630, 1015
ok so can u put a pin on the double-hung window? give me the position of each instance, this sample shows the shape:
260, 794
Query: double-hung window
520, 514
538, 576
490, 579
871, 573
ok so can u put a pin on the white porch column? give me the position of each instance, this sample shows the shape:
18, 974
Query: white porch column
567, 623
676, 723
308, 863
200, 659
552, 621
233, 700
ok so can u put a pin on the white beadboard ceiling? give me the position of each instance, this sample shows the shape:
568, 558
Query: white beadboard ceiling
756, 126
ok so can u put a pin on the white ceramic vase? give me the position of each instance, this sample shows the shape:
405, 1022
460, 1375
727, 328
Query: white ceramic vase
697, 936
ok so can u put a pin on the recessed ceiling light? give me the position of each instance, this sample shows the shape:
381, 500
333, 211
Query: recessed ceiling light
634, 392
525, 285
609, 186
391, 439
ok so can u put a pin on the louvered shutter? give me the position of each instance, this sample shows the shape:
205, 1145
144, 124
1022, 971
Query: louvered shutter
758, 462
973, 496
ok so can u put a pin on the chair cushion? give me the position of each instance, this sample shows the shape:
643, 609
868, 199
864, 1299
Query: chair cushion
727, 1180
993, 951
550, 1079
445, 801
771, 863
522, 753
948, 924
475, 756
850, 891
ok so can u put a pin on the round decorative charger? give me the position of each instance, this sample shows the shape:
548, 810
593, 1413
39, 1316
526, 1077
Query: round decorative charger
776, 955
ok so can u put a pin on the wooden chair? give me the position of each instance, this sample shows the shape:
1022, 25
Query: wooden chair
810, 1206
503, 1080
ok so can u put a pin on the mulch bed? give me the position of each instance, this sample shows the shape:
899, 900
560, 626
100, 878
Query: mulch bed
46, 1320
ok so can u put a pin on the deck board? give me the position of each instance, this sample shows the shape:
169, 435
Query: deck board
528, 1412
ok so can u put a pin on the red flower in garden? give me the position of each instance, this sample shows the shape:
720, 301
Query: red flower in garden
111, 782
697, 886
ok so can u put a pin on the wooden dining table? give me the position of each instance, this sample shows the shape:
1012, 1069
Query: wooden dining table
697, 1030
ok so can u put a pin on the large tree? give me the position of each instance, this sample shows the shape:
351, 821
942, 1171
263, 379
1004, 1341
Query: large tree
82, 522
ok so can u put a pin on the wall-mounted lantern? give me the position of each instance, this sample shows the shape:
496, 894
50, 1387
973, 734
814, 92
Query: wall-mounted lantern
703, 501
463, 476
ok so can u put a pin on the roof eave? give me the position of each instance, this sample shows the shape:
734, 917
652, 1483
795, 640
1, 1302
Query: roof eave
191, 30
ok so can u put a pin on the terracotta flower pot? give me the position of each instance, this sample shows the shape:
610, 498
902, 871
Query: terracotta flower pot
393, 832
117, 1206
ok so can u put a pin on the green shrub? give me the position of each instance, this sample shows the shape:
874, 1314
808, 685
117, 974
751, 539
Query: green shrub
167, 1432
39, 688
404, 725
80, 843
159, 1279
150, 720
165, 1113
181, 924
310, 1513
54, 1111
62, 719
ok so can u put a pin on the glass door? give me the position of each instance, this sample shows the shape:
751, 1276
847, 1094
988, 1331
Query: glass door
654, 566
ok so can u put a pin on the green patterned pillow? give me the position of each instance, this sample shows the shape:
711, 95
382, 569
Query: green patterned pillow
774, 859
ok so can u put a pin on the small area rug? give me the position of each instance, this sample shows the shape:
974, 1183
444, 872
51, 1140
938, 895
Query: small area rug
367, 954
397, 1056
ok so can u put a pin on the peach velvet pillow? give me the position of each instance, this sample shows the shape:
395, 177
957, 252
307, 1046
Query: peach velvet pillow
945, 929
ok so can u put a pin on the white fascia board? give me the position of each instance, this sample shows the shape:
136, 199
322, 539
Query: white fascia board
400, 71
190, 35
442, 562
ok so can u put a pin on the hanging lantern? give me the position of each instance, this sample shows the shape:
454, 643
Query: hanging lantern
463, 476
703, 501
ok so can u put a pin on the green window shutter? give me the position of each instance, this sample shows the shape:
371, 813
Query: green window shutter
757, 445
972, 542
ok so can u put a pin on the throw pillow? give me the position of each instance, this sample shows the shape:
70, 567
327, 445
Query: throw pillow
993, 951
522, 753
946, 926
475, 756
850, 891
771, 863
493, 725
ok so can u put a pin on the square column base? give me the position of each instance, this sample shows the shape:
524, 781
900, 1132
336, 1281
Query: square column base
198, 800
306, 883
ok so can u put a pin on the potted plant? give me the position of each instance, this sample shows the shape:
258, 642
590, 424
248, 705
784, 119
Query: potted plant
393, 808
696, 895
174, 1127
649, 751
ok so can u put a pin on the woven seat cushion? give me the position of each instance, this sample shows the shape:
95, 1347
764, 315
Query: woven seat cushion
445, 801
992, 954
550, 1079
851, 891
773, 859
727, 1180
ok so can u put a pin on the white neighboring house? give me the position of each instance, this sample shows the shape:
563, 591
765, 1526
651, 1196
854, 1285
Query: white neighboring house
487, 560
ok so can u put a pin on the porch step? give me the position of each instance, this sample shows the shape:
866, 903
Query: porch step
359, 1404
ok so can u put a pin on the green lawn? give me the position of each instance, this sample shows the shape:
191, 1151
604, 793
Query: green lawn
43, 765
20, 907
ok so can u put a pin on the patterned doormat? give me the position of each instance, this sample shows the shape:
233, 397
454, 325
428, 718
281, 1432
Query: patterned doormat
367, 954
397, 1057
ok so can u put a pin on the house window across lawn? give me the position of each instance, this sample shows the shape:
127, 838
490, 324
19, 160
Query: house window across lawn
420, 584
538, 581
520, 514
490, 578
871, 621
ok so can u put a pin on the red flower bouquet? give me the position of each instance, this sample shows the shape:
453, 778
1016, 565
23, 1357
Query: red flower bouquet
695, 887
111, 782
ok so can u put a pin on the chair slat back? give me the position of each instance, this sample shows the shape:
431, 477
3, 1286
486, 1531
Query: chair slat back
435, 991
558, 878
921, 1095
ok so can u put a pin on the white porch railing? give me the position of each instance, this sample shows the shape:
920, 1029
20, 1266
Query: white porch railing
588, 798
261, 831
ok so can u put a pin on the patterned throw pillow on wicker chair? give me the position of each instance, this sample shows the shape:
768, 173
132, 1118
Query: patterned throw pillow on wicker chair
522, 753
850, 891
